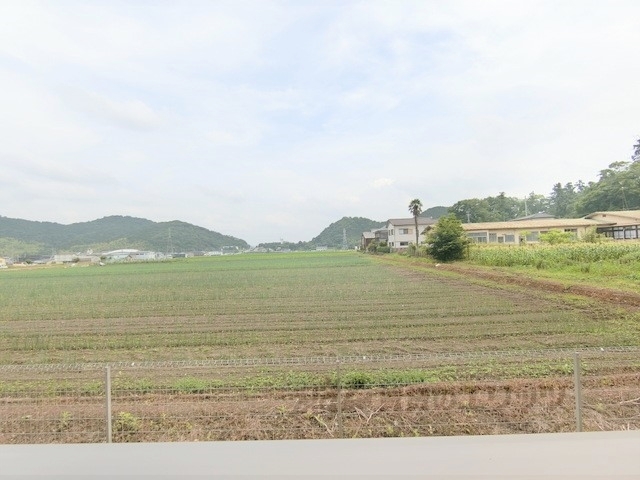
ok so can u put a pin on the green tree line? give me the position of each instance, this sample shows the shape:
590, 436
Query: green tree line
617, 188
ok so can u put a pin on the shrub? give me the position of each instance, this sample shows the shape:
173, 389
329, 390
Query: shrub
555, 237
447, 241
127, 423
191, 385
357, 380
591, 236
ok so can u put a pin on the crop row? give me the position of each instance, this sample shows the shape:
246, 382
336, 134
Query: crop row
555, 255
236, 306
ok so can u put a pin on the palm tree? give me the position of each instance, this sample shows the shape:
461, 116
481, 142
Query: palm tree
415, 207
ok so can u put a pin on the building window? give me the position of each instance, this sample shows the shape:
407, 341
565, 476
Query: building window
509, 239
404, 231
478, 237
493, 237
404, 244
391, 232
533, 236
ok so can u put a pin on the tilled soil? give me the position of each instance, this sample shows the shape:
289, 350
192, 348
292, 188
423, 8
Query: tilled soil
610, 402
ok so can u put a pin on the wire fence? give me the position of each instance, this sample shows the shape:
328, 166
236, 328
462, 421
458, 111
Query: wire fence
322, 397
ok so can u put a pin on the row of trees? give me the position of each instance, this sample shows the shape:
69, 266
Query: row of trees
617, 188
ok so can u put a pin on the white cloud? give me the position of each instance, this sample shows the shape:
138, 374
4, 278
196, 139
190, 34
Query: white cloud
382, 182
132, 113
273, 119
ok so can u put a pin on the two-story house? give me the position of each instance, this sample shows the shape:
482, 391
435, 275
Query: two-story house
402, 231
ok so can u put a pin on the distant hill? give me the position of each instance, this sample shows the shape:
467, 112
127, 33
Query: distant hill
435, 212
20, 237
332, 236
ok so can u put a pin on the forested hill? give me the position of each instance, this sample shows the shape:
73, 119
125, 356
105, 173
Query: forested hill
333, 235
19, 237
435, 212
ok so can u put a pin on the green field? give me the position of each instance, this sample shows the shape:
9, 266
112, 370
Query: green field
607, 264
306, 304
306, 345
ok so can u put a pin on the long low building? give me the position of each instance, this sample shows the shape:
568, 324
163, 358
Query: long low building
619, 225
520, 231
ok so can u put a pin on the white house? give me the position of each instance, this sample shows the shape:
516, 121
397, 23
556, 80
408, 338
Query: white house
402, 231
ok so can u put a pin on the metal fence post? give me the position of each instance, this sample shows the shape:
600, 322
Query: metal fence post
577, 386
339, 386
107, 392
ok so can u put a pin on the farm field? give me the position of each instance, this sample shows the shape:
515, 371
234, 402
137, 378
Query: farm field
612, 265
246, 346
312, 304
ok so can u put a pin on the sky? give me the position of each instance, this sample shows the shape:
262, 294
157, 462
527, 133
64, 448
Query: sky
270, 120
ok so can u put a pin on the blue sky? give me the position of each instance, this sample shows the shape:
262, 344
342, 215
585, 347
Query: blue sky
271, 120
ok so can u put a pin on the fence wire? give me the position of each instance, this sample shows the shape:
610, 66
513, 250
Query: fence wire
321, 397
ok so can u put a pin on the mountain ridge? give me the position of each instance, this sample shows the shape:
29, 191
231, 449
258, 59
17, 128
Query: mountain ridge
26, 238
109, 233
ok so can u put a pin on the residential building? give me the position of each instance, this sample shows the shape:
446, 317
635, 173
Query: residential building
402, 231
379, 235
366, 238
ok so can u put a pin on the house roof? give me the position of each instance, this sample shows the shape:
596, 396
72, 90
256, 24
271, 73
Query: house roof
534, 224
410, 221
534, 216
632, 215
368, 235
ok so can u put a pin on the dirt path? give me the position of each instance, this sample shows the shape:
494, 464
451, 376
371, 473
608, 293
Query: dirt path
612, 296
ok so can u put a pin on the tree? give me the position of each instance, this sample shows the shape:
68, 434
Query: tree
617, 189
563, 199
472, 210
415, 207
489, 209
636, 152
535, 203
447, 240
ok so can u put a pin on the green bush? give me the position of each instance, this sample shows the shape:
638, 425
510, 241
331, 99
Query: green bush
357, 380
554, 237
191, 385
126, 423
447, 240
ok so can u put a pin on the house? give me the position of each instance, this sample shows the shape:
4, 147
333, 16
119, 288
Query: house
520, 231
366, 238
621, 225
378, 235
402, 231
